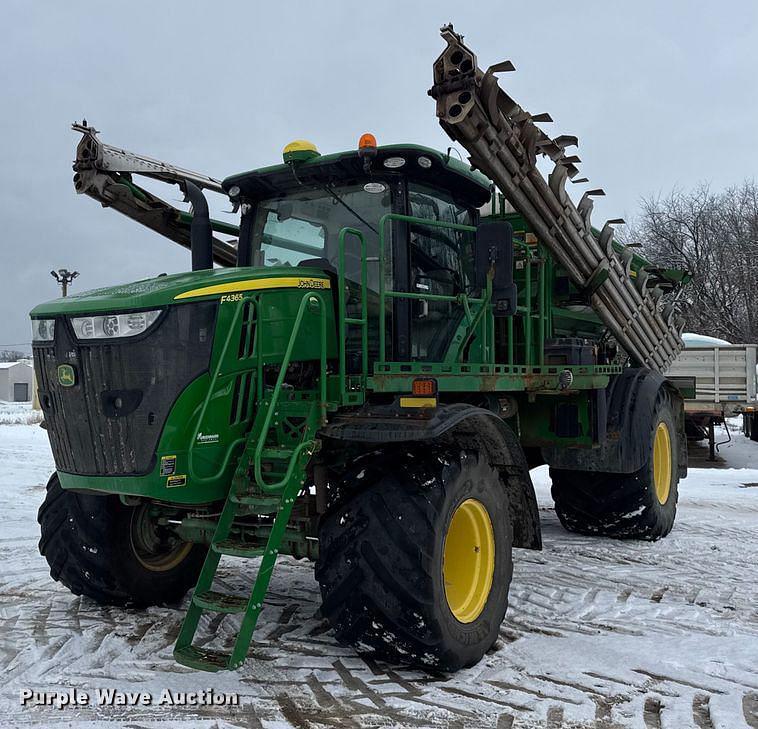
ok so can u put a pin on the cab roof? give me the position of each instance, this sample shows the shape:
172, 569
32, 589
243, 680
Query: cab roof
445, 172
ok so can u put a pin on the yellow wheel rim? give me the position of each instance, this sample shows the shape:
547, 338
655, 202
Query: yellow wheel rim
468, 560
153, 552
662, 462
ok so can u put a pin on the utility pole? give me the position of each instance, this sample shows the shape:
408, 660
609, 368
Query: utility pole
64, 277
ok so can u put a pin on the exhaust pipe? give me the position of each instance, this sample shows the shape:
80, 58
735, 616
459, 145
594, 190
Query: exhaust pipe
244, 250
201, 235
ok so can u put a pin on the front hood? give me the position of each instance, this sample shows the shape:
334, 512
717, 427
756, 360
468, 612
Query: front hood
182, 287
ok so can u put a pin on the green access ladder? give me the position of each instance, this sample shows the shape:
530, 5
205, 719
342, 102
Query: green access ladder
267, 480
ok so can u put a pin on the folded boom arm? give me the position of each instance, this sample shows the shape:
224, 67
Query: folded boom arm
105, 173
504, 142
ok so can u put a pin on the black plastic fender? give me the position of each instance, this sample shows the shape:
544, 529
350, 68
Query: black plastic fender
460, 425
631, 398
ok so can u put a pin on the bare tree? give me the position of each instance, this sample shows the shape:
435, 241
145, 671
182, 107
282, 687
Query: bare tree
715, 237
11, 355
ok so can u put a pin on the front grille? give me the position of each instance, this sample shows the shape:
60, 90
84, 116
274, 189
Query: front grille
109, 422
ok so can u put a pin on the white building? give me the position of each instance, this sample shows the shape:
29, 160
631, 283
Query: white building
16, 381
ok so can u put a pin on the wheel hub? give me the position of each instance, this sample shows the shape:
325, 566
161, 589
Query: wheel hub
468, 560
662, 463
157, 549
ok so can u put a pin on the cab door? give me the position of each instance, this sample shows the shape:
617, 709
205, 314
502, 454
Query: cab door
441, 263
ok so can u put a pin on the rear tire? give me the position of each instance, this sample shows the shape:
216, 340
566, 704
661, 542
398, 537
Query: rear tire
639, 505
415, 563
98, 547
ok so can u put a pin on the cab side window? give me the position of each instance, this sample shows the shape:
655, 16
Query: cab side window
441, 262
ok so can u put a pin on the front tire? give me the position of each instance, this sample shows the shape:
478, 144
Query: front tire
415, 559
98, 547
639, 505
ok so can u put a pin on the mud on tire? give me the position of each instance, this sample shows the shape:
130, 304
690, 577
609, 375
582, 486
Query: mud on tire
381, 557
624, 506
89, 544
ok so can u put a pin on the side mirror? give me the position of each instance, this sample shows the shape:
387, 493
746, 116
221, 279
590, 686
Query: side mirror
494, 246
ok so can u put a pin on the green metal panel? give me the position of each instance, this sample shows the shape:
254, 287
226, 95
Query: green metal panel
537, 421
199, 432
397, 377
249, 486
163, 290
445, 168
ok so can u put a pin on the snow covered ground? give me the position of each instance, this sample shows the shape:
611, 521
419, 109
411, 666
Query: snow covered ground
599, 633
18, 413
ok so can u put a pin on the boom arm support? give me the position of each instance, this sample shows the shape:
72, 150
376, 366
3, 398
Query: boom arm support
504, 141
105, 173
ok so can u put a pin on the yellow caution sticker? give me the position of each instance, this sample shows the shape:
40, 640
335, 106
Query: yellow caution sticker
168, 465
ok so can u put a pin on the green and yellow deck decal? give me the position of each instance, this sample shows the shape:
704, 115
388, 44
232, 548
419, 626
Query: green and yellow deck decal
257, 284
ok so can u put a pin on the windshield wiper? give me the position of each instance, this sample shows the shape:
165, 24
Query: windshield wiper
331, 192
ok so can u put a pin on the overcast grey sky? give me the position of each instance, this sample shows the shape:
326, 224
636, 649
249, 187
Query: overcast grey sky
660, 93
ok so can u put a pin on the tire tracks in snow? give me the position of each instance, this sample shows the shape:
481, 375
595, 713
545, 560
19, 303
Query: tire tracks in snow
587, 599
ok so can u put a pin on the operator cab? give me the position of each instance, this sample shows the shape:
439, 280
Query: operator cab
293, 215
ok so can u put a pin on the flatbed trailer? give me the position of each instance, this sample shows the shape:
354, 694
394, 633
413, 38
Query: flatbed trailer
717, 381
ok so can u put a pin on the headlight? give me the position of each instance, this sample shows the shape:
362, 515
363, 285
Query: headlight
110, 326
43, 330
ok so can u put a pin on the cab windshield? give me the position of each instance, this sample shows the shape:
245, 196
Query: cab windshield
302, 228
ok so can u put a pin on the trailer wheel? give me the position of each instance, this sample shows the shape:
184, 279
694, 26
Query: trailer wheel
415, 559
112, 553
639, 505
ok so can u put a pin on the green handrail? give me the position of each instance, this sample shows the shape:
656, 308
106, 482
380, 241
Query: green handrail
541, 303
383, 294
309, 299
528, 311
477, 320
462, 299
230, 334
344, 320
455, 354
457, 299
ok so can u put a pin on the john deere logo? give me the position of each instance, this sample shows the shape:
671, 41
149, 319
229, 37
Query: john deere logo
66, 375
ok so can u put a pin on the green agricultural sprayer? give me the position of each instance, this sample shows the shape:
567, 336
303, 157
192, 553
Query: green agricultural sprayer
390, 340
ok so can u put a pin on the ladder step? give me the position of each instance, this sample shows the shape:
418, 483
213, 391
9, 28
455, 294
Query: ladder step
262, 504
295, 407
264, 540
203, 659
278, 453
220, 602
237, 549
